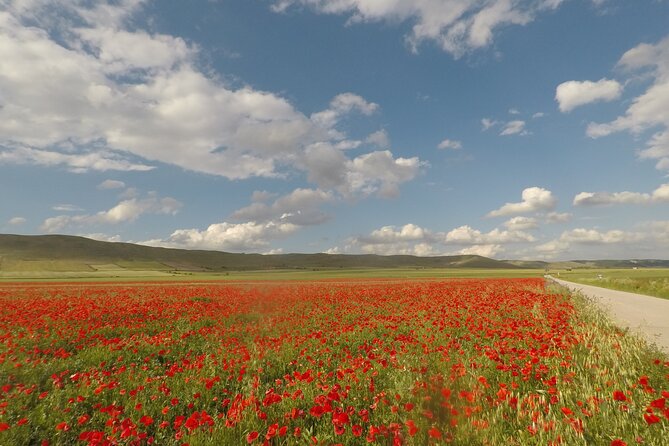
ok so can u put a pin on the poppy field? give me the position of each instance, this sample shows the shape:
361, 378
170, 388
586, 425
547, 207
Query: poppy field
389, 362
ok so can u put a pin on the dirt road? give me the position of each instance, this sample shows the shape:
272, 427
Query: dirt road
646, 315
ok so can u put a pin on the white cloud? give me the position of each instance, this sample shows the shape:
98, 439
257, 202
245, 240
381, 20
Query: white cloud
83, 89
300, 207
649, 109
457, 26
514, 128
241, 237
650, 240
533, 199
16, 221
557, 217
111, 184
100, 161
521, 223
450, 144
538, 115
552, 248
256, 225
379, 138
593, 236
572, 94
340, 106
412, 239
379, 173
482, 250
125, 211
374, 173
66, 208
465, 235
514, 111
487, 123
262, 196
103, 237
659, 195
390, 234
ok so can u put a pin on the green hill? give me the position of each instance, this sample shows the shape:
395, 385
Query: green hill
20, 253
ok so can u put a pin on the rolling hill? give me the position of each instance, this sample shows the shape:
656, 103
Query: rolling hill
71, 253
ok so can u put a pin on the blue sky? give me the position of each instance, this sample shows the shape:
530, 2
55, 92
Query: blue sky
506, 128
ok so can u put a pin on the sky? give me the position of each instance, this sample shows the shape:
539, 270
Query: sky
512, 129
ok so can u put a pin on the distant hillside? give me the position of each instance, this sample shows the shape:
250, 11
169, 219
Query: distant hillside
639, 263
70, 253
575, 264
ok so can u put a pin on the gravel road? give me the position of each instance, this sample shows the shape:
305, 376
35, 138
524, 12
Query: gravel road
646, 315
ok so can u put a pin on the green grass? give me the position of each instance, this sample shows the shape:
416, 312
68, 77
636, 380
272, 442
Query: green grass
561, 362
122, 275
651, 282
23, 266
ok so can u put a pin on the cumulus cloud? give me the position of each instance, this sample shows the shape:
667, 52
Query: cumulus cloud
374, 173
412, 239
379, 138
659, 195
253, 228
649, 240
85, 90
521, 223
572, 94
262, 196
593, 236
380, 173
301, 207
241, 237
450, 144
533, 199
125, 211
467, 235
482, 250
16, 221
457, 26
552, 249
651, 108
111, 184
514, 128
558, 217
340, 106
391, 234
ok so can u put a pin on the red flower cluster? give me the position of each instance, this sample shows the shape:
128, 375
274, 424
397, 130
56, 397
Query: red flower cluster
395, 362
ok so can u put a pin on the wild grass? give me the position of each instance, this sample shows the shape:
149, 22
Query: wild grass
464, 362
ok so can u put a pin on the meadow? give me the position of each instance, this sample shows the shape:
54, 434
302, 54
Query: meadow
649, 281
367, 361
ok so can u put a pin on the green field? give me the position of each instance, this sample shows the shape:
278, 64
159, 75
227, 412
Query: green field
116, 273
649, 281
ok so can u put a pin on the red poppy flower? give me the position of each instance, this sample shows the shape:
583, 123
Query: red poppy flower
618, 395
434, 433
651, 418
